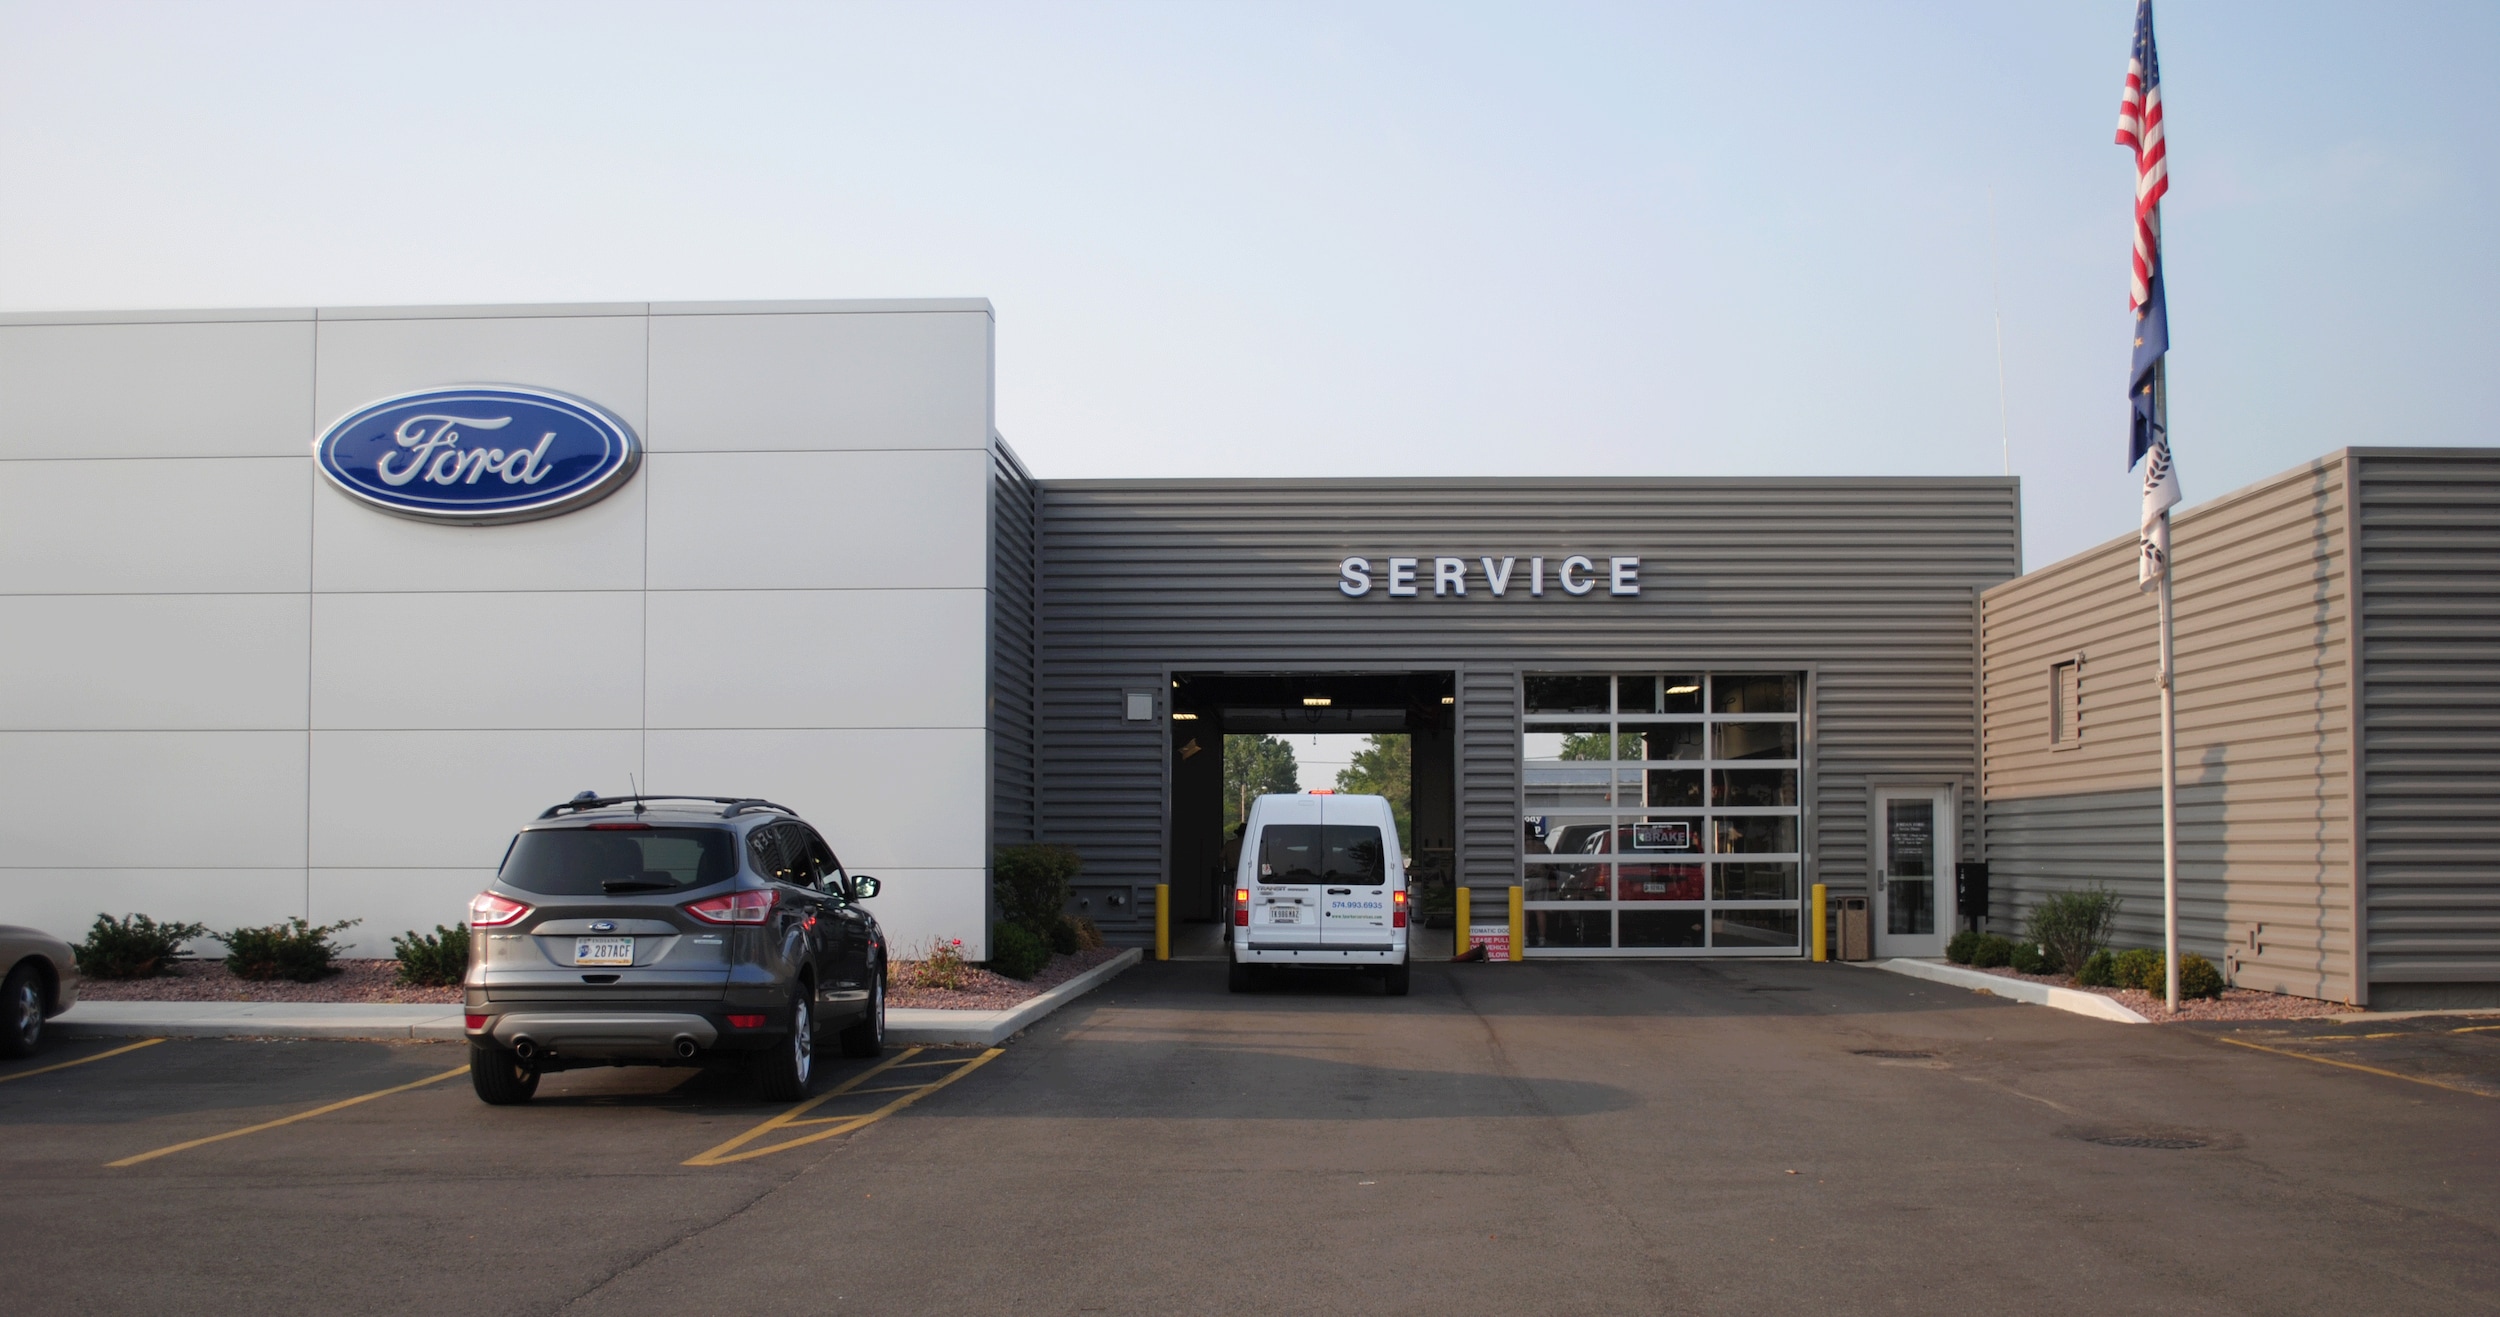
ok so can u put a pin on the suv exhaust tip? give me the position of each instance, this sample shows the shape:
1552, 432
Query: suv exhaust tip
685, 1048
525, 1049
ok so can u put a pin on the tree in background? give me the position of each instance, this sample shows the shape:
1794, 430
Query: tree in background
1585, 745
1386, 768
1255, 766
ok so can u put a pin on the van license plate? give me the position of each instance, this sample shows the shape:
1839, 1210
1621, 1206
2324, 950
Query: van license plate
603, 951
1284, 914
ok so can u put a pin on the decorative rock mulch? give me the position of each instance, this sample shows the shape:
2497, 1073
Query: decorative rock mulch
360, 981
985, 991
2236, 1003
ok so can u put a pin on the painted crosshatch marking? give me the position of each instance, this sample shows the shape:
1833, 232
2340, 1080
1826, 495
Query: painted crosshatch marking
1628, 853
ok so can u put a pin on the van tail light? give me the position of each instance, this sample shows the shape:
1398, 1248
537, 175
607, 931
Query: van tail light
749, 907
1241, 907
487, 910
1397, 910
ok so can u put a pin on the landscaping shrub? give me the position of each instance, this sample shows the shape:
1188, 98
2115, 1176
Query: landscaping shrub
2198, 978
439, 959
1031, 883
2101, 971
132, 948
2028, 958
942, 966
1992, 952
294, 950
1088, 934
1064, 939
1017, 952
1959, 949
2070, 926
2141, 968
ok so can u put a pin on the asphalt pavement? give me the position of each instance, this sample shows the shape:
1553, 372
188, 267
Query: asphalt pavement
1599, 1137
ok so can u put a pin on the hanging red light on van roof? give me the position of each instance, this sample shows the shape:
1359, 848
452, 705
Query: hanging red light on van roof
1322, 791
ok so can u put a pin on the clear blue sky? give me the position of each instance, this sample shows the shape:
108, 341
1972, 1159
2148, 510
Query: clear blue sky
1371, 239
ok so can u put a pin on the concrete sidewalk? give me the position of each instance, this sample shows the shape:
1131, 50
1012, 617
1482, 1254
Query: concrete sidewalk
245, 1019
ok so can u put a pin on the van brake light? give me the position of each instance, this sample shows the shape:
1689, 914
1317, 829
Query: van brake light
1397, 911
749, 907
1241, 907
487, 910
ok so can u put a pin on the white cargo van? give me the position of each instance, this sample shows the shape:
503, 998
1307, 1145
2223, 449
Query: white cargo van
1321, 882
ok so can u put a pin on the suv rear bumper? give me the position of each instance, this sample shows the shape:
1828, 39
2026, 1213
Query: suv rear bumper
555, 1035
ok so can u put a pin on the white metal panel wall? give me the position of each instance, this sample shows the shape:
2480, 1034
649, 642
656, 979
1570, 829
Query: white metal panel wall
323, 709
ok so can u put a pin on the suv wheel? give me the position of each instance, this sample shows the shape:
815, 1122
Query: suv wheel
780, 1074
498, 1076
867, 1038
21, 1012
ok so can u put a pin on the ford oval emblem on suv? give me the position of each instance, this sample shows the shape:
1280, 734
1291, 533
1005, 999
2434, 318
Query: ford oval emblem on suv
479, 455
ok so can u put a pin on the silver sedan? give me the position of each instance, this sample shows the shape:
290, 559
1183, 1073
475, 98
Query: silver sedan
41, 982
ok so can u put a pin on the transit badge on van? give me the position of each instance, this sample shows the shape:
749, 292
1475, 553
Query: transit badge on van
479, 455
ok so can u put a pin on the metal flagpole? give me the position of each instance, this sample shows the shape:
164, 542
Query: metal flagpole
2169, 727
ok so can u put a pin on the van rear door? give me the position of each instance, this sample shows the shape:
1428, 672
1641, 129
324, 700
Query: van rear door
1284, 872
1357, 876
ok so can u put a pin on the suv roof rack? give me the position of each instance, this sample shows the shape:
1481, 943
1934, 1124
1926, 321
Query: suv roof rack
588, 800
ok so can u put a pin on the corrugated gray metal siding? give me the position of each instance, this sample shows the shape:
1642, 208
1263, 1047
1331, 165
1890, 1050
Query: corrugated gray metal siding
1015, 805
1865, 583
2430, 652
2265, 718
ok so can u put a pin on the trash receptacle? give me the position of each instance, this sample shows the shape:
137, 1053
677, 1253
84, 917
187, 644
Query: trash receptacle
1852, 943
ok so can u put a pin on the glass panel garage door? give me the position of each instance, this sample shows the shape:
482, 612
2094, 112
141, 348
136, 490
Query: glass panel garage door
1661, 813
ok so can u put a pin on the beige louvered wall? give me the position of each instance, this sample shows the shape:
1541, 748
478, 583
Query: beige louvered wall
2267, 882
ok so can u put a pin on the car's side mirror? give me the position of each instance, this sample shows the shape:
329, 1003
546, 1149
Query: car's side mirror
863, 887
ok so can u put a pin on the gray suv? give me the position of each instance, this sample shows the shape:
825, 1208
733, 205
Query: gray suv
670, 930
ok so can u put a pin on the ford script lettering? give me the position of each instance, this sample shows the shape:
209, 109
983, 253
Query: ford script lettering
480, 455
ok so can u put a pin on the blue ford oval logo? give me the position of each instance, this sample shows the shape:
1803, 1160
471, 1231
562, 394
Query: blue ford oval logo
602, 926
479, 455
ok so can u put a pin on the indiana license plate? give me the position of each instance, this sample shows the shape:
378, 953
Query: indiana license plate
1284, 914
603, 951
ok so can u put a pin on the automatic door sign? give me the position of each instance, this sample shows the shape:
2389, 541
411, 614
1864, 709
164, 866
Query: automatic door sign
479, 455
1494, 938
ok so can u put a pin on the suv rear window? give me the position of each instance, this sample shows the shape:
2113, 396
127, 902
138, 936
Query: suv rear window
594, 861
1322, 853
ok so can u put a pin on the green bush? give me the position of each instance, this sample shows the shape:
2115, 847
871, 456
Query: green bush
2139, 968
1992, 952
2028, 958
1031, 883
2101, 971
1959, 949
2198, 978
132, 948
294, 950
439, 959
2070, 926
1064, 939
1017, 952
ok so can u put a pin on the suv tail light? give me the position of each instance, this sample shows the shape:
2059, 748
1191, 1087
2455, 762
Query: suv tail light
488, 910
749, 907
1397, 910
1241, 907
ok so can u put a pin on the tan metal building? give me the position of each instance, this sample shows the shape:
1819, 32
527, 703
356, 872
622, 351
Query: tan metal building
2273, 639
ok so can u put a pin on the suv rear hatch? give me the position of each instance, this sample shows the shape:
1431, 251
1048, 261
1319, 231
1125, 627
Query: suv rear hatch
607, 913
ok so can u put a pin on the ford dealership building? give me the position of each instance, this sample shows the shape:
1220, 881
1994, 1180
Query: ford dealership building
304, 611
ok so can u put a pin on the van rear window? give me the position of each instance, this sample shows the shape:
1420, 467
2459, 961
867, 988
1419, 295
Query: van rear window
1322, 853
593, 862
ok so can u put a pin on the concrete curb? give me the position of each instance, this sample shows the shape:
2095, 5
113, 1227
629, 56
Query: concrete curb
989, 1028
399, 1023
2022, 990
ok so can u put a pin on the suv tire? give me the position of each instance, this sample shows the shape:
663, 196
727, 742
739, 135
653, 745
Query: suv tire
499, 1077
21, 1011
1396, 979
1239, 980
867, 1038
780, 1073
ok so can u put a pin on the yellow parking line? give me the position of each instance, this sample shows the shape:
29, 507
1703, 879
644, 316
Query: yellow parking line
2477, 1028
2348, 1065
284, 1120
25, 1074
736, 1150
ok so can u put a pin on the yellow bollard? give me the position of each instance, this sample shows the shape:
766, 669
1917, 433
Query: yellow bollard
1163, 921
1464, 917
1822, 939
1518, 923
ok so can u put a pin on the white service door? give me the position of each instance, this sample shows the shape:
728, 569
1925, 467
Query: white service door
1914, 851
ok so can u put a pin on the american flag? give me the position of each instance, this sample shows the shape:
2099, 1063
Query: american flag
2140, 130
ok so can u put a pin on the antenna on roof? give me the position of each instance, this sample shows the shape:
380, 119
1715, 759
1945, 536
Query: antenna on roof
636, 791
